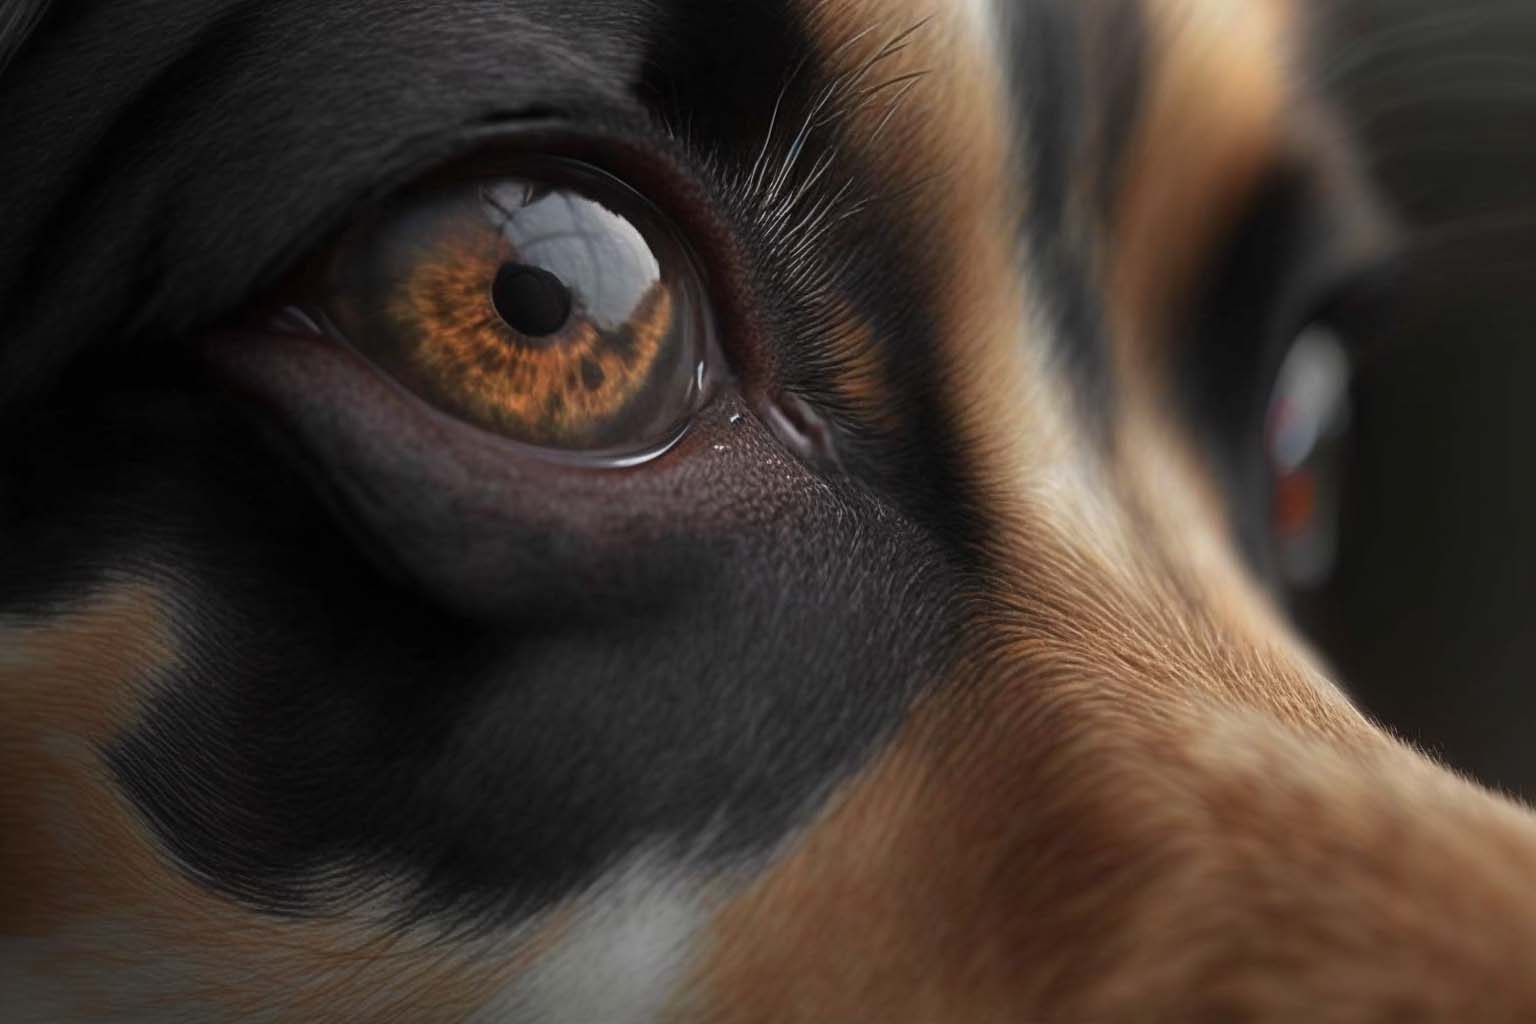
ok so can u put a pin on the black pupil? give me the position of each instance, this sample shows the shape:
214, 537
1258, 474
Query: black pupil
531, 300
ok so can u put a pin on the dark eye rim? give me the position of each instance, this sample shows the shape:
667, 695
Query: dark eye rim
703, 363
653, 168
669, 175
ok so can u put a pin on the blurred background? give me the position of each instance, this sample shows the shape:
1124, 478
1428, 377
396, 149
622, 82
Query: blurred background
1429, 609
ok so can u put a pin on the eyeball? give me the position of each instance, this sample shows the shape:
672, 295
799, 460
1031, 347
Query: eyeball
553, 305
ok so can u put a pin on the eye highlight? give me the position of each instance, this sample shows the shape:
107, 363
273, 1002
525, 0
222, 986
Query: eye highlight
553, 305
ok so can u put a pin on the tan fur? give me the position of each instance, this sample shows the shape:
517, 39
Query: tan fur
950, 145
1217, 97
1140, 799
109, 928
863, 376
67, 688
1050, 856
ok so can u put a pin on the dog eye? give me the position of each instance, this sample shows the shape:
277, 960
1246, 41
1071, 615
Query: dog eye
553, 305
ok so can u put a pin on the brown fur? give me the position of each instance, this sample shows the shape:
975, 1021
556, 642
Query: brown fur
92, 905
1071, 862
1217, 98
1141, 799
862, 382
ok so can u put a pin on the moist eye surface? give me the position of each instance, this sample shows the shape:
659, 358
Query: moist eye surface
553, 305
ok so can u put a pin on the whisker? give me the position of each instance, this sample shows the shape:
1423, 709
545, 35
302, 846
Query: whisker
841, 96
894, 106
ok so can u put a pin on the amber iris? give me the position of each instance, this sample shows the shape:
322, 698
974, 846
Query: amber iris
557, 309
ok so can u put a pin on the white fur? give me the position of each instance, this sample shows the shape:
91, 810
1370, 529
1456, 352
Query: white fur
621, 960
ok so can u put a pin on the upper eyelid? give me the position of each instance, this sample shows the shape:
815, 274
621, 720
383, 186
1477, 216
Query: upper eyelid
453, 156
178, 182
686, 184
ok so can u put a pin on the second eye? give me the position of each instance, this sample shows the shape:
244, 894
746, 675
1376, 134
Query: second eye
553, 305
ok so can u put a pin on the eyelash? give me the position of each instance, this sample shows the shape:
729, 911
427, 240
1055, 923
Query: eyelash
714, 208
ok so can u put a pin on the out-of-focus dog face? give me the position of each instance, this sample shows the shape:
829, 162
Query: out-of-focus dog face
532, 510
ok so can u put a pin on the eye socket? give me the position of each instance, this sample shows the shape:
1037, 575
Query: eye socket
551, 304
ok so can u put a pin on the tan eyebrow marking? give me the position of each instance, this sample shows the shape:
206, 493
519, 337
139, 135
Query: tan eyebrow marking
937, 886
946, 148
861, 379
1217, 93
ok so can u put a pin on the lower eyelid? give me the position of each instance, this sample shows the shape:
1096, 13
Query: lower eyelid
463, 514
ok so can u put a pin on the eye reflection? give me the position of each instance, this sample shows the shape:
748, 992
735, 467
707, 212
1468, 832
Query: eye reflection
579, 241
557, 308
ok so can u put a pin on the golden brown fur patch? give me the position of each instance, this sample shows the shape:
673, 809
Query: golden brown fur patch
1066, 861
95, 921
861, 380
67, 689
1217, 99
1139, 798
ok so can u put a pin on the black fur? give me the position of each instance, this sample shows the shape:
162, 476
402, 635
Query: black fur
1077, 116
409, 661
480, 711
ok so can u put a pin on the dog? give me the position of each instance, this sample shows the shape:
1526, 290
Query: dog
614, 511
